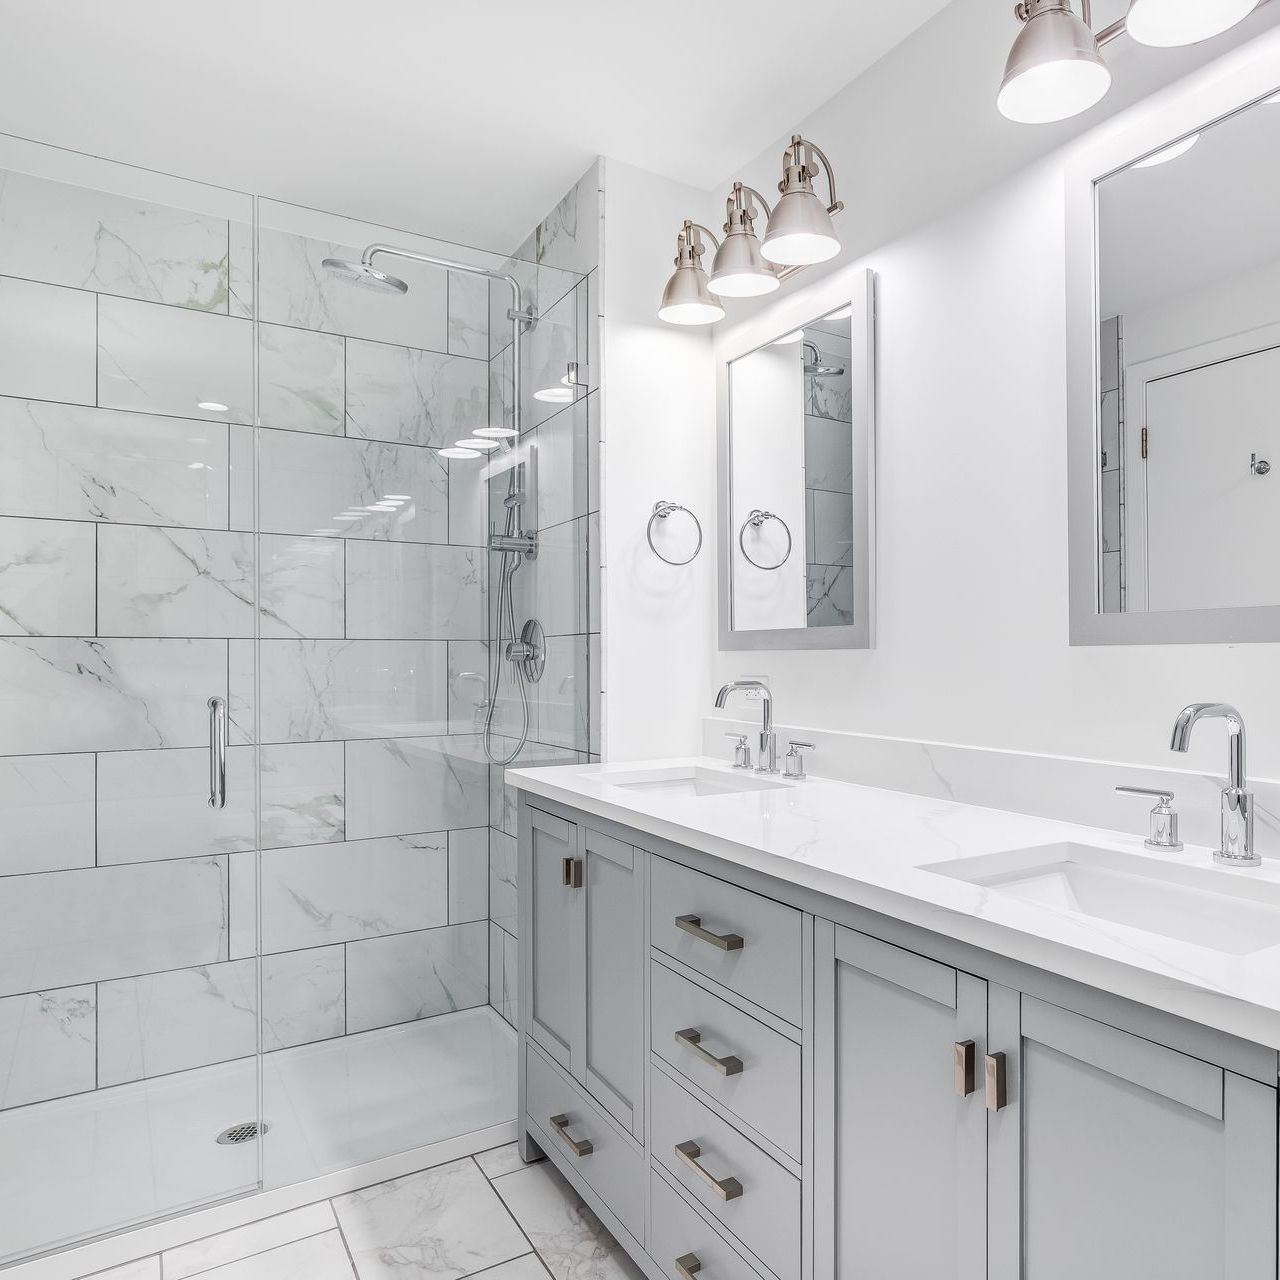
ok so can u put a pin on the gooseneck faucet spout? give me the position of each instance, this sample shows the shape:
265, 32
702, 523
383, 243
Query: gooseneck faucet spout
767, 761
1236, 848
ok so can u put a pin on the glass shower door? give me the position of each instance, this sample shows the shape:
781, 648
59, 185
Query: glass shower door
128, 599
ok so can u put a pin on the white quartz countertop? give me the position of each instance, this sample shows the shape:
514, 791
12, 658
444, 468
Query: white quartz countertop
868, 846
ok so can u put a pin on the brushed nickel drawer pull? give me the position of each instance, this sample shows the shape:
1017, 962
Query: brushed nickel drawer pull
688, 1266
725, 1188
571, 873
997, 1082
579, 1146
965, 1068
691, 1039
692, 925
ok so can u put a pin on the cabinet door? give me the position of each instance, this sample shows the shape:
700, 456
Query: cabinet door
1119, 1157
555, 919
903, 1136
613, 1043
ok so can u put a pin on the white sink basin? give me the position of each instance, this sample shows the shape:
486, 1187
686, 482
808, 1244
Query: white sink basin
1223, 910
686, 782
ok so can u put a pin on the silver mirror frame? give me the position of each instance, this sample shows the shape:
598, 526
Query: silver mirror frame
1238, 82
831, 294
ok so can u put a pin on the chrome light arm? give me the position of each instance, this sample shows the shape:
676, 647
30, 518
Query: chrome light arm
801, 153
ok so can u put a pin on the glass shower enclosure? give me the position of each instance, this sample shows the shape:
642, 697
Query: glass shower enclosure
247, 655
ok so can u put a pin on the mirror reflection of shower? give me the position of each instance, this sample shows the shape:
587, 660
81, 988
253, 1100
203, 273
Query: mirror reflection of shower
521, 655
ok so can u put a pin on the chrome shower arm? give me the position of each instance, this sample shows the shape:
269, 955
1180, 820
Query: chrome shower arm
411, 255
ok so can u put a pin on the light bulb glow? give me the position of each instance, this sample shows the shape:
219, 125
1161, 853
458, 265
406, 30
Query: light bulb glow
1053, 91
744, 284
800, 249
456, 452
213, 406
554, 395
495, 433
1165, 24
691, 313
1169, 153
477, 443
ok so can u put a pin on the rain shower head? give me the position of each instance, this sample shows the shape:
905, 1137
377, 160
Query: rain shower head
365, 276
814, 367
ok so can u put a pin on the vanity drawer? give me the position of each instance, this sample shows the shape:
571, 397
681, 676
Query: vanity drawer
613, 1166
757, 1076
754, 1198
678, 1233
749, 943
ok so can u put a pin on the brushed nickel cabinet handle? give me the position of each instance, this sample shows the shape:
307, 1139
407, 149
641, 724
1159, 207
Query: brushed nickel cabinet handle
997, 1082
688, 1266
725, 1188
691, 1039
692, 925
579, 1146
571, 873
965, 1068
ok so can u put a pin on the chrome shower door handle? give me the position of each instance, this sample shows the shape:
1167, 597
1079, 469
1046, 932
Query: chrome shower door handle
217, 753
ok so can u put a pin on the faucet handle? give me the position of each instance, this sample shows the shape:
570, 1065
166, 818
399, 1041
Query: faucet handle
795, 757
1164, 820
741, 752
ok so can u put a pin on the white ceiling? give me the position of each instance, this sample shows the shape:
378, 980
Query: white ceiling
465, 121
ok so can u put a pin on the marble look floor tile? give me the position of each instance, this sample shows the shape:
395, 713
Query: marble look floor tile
301, 586
527, 1268
408, 976
331, 893
300, 379
73, 463
304, 997
170, 360
502, 1160
174, 582
442, 1224
570, 1239
322, 1257
46, 1045
243, 1242
46, 578
303, 786
47, 342
446, 600
46, 813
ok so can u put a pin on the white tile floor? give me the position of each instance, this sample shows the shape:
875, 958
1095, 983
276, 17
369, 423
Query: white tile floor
491, 1216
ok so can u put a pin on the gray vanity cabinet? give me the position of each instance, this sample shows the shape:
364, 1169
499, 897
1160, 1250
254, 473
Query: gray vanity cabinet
1116, 1156
900, 1124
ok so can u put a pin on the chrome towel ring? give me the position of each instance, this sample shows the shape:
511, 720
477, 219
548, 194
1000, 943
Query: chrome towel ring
662, 511
754, 521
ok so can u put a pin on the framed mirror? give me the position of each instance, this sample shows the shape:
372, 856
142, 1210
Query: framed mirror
796, 492
1174, 384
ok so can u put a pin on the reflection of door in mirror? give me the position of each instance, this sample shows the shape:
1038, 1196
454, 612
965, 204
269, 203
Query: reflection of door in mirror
1188, 513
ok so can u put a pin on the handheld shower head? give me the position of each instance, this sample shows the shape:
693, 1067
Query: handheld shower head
365, 276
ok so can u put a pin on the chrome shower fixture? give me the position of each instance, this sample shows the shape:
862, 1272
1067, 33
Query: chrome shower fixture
365, 276
799, 233
1056, 69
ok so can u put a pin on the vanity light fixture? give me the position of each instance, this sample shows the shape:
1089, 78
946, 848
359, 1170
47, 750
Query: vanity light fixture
1169, 153
1056, 69
799, 233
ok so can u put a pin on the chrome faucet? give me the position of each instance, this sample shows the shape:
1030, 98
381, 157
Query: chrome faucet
767, 759
1237, 803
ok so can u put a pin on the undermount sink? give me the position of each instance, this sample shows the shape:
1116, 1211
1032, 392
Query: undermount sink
692, 781
1223, 910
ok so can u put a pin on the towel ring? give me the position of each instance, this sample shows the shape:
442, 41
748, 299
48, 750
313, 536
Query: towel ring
754, 521
661, 510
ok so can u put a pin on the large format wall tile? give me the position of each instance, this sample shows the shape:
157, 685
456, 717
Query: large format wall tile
295, 289
562, 445
553, 588
300, 379
468, 503
414, 397
304, 997
331, 893
155, 805
168, 360
107, 695
468, 685
317, 690
415, 592
562, 695
502, 880
301, 586
416, 975
46, 1045
469, 315
106, 243
468, 875
46, 578
70, 927
303, 785
828, 454
830, 591
47, 342
830, 527
46, 813
323, 484
164, 1022
415, 784
73, 463
174, 582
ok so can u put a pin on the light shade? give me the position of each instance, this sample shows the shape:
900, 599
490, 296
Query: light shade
1169, 153
800, 231
1166, 23
1055, 69
739, 269
687, 300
